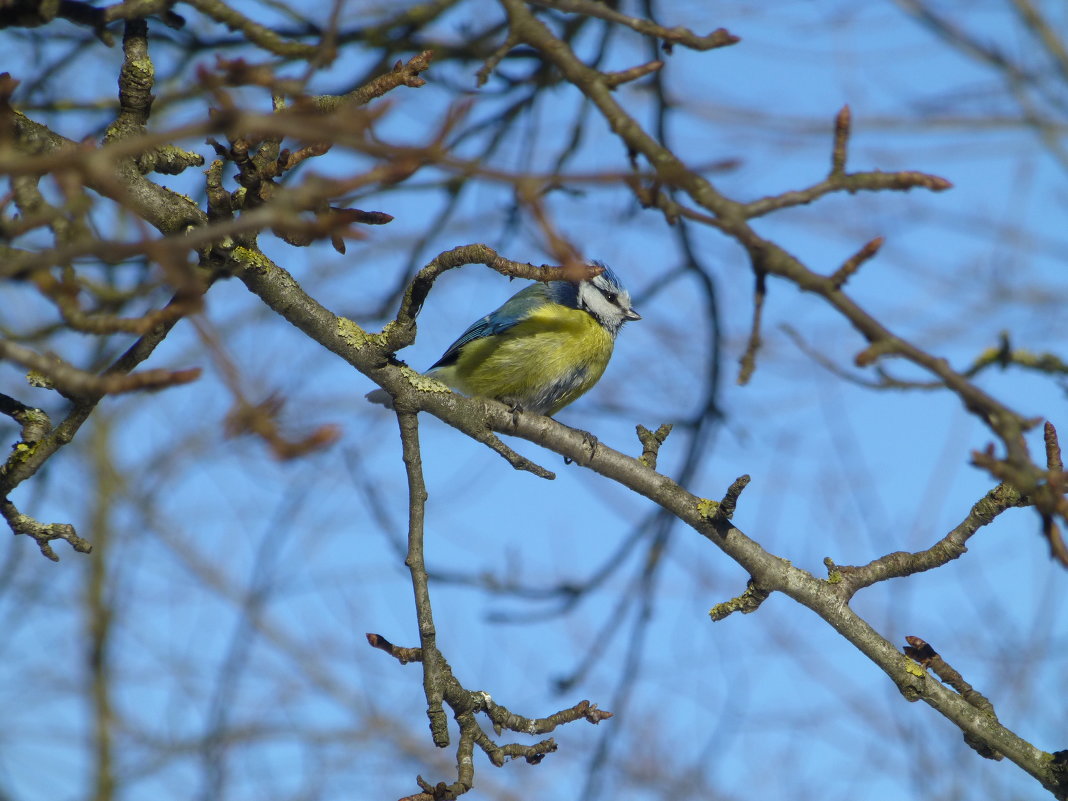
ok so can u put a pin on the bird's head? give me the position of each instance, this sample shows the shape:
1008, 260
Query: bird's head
603, 296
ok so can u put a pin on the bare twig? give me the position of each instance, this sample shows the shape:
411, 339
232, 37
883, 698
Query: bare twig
854, 262
746, 603
950, 547
614, 79
651, 443
842, 124
74, 383
401, 75
748, 360
670, 36
400, 653
42, 533
434, 667
258, 34
927, 656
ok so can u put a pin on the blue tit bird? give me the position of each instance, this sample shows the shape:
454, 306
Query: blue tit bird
544, 348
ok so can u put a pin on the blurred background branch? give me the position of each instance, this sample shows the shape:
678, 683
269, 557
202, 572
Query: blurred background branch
212, 643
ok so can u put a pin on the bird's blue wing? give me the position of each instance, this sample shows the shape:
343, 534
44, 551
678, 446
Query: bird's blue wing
515, 309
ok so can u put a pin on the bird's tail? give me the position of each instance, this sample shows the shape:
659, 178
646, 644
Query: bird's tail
380, 397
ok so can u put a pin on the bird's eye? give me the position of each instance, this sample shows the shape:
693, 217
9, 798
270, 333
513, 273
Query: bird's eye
612, 297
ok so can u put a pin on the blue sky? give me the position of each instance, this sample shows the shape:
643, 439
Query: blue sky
772, 704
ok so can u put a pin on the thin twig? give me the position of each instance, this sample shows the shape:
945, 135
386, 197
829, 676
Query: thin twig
854, 262
950, 547
748, 360
671, 36
42, 533
434, 671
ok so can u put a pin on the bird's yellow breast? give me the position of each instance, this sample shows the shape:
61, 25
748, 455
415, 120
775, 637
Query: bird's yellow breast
542, 363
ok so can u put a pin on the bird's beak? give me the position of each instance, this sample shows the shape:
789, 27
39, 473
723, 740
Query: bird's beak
630, 314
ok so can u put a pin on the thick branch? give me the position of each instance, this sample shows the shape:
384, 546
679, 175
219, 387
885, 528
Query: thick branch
771, 573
